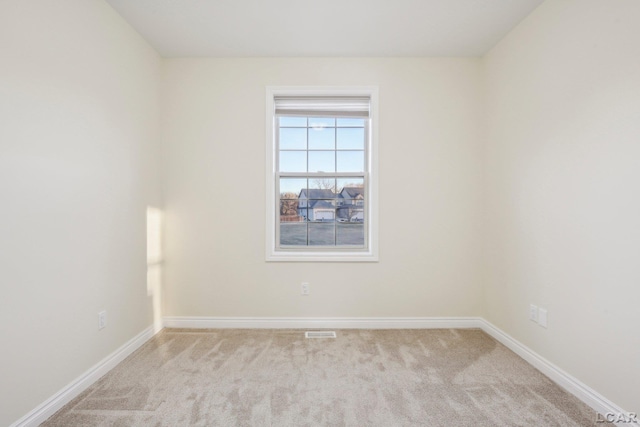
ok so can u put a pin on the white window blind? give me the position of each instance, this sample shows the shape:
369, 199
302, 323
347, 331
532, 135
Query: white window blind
319, 106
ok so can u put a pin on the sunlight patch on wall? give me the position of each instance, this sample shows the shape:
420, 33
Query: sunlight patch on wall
154, 263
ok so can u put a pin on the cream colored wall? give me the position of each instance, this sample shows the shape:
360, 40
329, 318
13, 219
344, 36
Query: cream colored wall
563, 179
78, 155
213, 127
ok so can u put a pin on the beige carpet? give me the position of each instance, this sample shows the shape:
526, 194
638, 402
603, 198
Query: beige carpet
362, 378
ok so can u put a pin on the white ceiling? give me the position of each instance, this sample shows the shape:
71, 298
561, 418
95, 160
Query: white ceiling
180, 28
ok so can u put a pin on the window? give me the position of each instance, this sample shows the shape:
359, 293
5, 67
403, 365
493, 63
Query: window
321, 179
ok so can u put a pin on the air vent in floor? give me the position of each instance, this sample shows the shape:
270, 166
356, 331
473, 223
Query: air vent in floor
320, 334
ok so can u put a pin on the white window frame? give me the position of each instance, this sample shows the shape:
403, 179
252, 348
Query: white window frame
339, 254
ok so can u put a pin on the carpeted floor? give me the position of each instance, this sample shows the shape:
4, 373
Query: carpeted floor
232, 377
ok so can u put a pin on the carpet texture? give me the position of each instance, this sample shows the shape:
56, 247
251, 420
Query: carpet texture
361, 378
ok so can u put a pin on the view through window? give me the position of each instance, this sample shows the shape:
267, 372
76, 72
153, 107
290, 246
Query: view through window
322, 181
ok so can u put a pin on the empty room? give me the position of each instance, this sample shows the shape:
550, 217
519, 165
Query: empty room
338, 213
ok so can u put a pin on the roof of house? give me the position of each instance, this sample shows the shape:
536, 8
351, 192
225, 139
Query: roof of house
318, 193
353, 191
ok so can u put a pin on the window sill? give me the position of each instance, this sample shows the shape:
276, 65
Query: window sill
295, 256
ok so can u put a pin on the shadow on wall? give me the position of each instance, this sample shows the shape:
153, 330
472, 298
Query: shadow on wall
154, 263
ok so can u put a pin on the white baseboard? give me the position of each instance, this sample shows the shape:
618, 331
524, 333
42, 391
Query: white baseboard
80, 384
323, 322
583, 392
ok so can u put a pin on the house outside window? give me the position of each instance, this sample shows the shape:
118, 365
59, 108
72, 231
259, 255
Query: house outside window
322, 174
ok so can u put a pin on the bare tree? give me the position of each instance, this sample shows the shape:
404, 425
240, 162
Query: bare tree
324, 183
288, 204
354, 184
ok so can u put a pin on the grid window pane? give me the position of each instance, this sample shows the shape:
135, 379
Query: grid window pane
292, 208
322, 234
293, 138
350, 161
351, 200
293, 233
350, 233
351, 138
322, 161
350, 183
289, 211
322, 210
351, 206
293, 161
322, 139
292, 186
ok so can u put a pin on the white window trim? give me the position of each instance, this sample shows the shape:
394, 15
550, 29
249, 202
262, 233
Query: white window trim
273, 253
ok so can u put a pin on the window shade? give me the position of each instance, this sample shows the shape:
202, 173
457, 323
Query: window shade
346, 106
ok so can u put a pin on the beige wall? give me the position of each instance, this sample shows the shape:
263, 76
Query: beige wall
213, 127
563, 186
78, 148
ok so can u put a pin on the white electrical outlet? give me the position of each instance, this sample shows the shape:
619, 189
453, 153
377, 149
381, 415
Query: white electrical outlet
102, 319
542, 317
304, 288
533, 313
